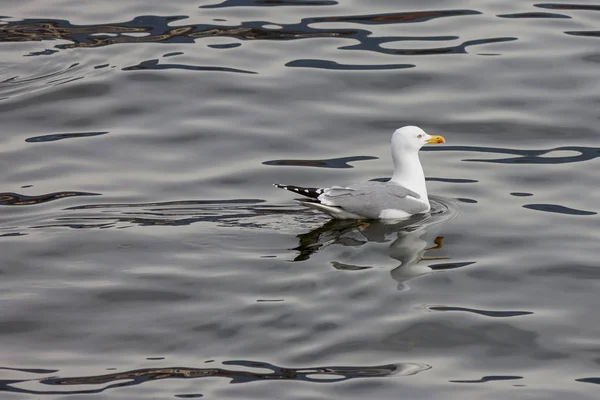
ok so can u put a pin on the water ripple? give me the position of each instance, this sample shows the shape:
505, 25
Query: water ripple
233, 213
18, 84
156, 29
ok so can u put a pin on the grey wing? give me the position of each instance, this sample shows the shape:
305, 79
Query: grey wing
370, 198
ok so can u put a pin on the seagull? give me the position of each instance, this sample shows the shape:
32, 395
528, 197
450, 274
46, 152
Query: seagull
401, 197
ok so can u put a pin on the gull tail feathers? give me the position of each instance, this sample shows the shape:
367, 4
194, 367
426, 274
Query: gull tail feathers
313, 193
333, 211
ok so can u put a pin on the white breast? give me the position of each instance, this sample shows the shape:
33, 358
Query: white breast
392, 213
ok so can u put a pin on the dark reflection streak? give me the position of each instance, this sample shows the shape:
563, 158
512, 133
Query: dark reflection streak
32, 370
395, 18
154, 65
269, 3
584, 33
327, 374
553, 208
558, 6
593, 380
491, 379
526, 156
224, 46
341, 162
75, 226
371, 45
448, 266
451, 180
534, 15
487, 313
16, 199
324, 64
432, 179
60, 136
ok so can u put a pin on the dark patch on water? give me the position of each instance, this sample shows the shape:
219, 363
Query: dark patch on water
225, 46
491, 378
534, 15
465, 200
16, 199
325, 374
526, 156
447, 266
451, 180
16, 234
32, 370
562, 6
486, 313
341, 162
584, 33
154, 65
594, 380
324, 64
554, 208
348, 267
521, 194
61, 136
270, 3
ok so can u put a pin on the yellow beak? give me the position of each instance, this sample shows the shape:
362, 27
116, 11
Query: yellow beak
435, 140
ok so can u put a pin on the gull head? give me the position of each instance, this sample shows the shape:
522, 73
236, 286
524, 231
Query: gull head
413, 138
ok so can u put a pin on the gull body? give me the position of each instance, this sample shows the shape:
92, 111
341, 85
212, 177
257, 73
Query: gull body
405, 194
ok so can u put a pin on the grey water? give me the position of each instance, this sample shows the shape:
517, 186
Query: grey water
145, 254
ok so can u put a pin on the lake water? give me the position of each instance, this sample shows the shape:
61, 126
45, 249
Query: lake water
145, 254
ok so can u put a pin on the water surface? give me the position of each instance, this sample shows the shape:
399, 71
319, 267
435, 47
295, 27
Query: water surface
144, 252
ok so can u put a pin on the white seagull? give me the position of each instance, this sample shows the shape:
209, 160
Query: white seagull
399, 198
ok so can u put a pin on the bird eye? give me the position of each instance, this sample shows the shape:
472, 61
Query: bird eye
419, 136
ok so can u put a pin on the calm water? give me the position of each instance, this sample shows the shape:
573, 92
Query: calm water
144, 252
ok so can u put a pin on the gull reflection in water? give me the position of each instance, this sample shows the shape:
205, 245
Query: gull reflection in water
415, 243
